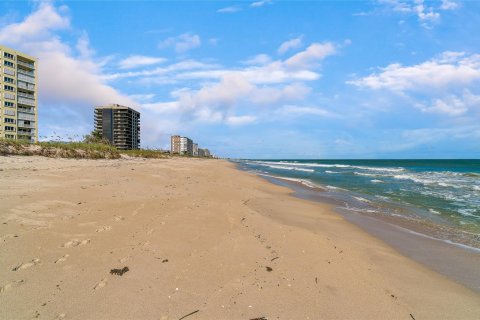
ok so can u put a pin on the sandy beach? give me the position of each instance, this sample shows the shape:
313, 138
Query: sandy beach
196, 238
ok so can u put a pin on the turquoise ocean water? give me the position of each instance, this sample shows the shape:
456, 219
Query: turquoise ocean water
441, 194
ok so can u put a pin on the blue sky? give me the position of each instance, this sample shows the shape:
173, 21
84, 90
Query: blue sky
265, 79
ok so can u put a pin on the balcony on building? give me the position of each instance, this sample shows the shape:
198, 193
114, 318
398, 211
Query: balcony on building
26, 101
25, 86
30, 65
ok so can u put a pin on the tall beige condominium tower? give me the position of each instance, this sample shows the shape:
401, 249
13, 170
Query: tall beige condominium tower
175, 144
120, 125
18, 95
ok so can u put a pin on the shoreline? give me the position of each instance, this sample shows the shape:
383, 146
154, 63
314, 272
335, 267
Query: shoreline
437, 254
195, 235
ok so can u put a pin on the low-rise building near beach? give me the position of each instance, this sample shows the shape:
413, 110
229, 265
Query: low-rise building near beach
18, 95
120, 125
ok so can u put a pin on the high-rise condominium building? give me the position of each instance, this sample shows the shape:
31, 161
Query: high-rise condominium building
120, 125
175, 144
181, 145
18, 95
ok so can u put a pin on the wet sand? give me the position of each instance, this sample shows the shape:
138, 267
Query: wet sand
195, 235
456, 261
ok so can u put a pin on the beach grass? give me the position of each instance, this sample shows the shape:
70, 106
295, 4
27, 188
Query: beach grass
59, 149
147, 153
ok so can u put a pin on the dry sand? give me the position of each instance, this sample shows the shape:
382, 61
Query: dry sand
195, 235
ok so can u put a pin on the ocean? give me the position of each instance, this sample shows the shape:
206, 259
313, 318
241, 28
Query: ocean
439, 198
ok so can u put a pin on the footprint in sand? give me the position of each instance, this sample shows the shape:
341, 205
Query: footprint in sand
104, 228
62, 259
7, 236
135, 212
26, 265
61, 316
124, 259
75, 243
101, 284
118, 218
11, 285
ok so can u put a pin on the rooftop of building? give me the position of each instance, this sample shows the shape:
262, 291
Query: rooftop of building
114, 106
18, 53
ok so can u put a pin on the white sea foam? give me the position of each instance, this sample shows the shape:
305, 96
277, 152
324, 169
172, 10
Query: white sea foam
289, 168
305, 182
319, 165
376, 181
328, 171
335, 188
434, 211
334, 165
367, 174
362, 199
468, 212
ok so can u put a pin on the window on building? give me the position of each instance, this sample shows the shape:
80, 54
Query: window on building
9, 104
9, 112
9, 55
9, 71
10, 96
8, 128
9, 80
9, 136
8, 63
8, 88
9, 120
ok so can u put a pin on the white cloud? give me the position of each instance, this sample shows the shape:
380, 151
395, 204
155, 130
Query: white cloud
449, 69
449, 5
223, 91
290, 44
427, 15
259, 59
443, 85
39, 24
293, 110
240, 120
300, 67
231, 9
182, 43
139, 61
311, 56
216, 102
78, 76
271, 95
452, 105
260, 3
166, 71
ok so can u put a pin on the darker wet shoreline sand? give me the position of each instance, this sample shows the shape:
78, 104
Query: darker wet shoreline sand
456, 261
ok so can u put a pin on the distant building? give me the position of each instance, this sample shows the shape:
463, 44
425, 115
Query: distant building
175, 144
206, 153
186, 146
195, 150
181, 145
18, 95
120, 125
